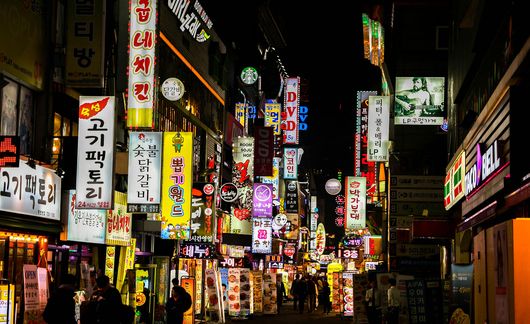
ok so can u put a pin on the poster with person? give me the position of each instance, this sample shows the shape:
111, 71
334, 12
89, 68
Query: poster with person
419, 101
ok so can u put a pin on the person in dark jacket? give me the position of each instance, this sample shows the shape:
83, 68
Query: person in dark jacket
60, 308
109, 307
179, 302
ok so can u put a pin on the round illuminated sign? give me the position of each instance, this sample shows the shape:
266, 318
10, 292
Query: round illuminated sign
249, 75
333, 186
229, 192
172, 89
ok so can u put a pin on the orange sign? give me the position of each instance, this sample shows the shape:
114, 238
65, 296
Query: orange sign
9, 151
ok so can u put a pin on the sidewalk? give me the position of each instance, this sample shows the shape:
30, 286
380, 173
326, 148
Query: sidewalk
289, 316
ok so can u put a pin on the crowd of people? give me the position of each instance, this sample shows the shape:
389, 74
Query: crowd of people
307, 288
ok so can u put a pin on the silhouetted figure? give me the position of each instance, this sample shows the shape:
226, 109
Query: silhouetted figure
294, 290
60, 308
109, 308
177, 305
323, 298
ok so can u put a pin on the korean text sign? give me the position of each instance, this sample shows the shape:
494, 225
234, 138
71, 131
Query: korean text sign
355, 202
262, 206
145, 159
378, 128
202, 212
272, 117
290, 163
261, 235
119, 222
85, 225
142, 40
95, 153
176, 185
34, 192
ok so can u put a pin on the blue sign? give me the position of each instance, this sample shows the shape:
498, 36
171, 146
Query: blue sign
303, 113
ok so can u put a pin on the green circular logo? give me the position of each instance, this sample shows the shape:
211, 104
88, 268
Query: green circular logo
249, 75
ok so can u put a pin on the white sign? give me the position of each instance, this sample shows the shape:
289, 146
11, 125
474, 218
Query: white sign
333, 187
261, 235
378, 127
172, 89
95, 153
289, 124
145, 159
274, 180
35, 192
355, 203
31, 288
290, 165
85, 225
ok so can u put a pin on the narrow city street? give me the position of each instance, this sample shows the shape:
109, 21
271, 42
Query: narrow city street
289, 316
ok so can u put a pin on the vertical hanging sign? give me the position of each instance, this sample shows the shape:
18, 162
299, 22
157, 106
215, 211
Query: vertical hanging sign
95, 153
176, 185
242, 177
142, 40
272, 117
290, 163
263, 151
290, 115
378, 127
202, 212
355, 203
145, 159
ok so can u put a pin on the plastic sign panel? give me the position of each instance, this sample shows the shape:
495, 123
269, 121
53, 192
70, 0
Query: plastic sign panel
35, 192
95, 153
320, 239
488, 160
454, 184
85, 225
234, 286
347, 289
289, 123
262, 235
241, 114
361, 124
304, 111
119, 222
355, 203
249, 75
242, 177
290, 163
176, 185
202, 212
172, 89
378, 127
145, 168
142, 40
274, 180
193, 19
419, 101
262, 206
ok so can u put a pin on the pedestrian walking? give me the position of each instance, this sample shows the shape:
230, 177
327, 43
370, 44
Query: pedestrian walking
294, 290
393, 302
311, 294
280, 295
302, 294
179, 302
373, 304
106, 303
60, 308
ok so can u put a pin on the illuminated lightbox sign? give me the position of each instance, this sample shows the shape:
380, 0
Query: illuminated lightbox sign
289, 121
304, 112
85, 225
419, 101
261, 235
454, 181
290, 163
95, 153
378, 128
9, 151
355, 203
193, 19
486, 164
272, 117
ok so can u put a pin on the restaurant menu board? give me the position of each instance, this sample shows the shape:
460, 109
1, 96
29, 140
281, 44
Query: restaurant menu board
269, 294
188, 283
360, 282
31, 292
224, 287
213, 292
347, 293
234, 286
336, 304
245, 293
109, 262
257, 291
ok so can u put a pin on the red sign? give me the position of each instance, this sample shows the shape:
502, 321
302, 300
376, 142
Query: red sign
9, 151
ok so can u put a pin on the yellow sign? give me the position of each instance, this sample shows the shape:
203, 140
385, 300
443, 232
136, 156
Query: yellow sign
110, 257
189, 285
176, 185
7, 303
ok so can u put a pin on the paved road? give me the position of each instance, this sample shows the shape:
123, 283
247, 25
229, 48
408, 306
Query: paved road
289, 316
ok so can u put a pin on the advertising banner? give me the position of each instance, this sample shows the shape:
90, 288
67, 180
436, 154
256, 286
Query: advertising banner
241, 115
378, 127
110, 258
320, 239
191, 250
355, 203
31, 293
213, 293
119, 222
270, 294
242, 177
290, 163
262, 206
142, 40
274, 180
263, 151
202, 212
95, 153
145, 172
272, 117
245, 296
257, 291
419, 101
292, 227
262, 235
289, 123
85, 225
34, 192
188, 283
361, 128
85, 45
7, 303
176, 185
347, 289
234, 288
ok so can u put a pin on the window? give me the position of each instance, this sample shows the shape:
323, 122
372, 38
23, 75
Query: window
17, 113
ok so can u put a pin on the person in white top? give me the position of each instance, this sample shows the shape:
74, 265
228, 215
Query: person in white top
393, 302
